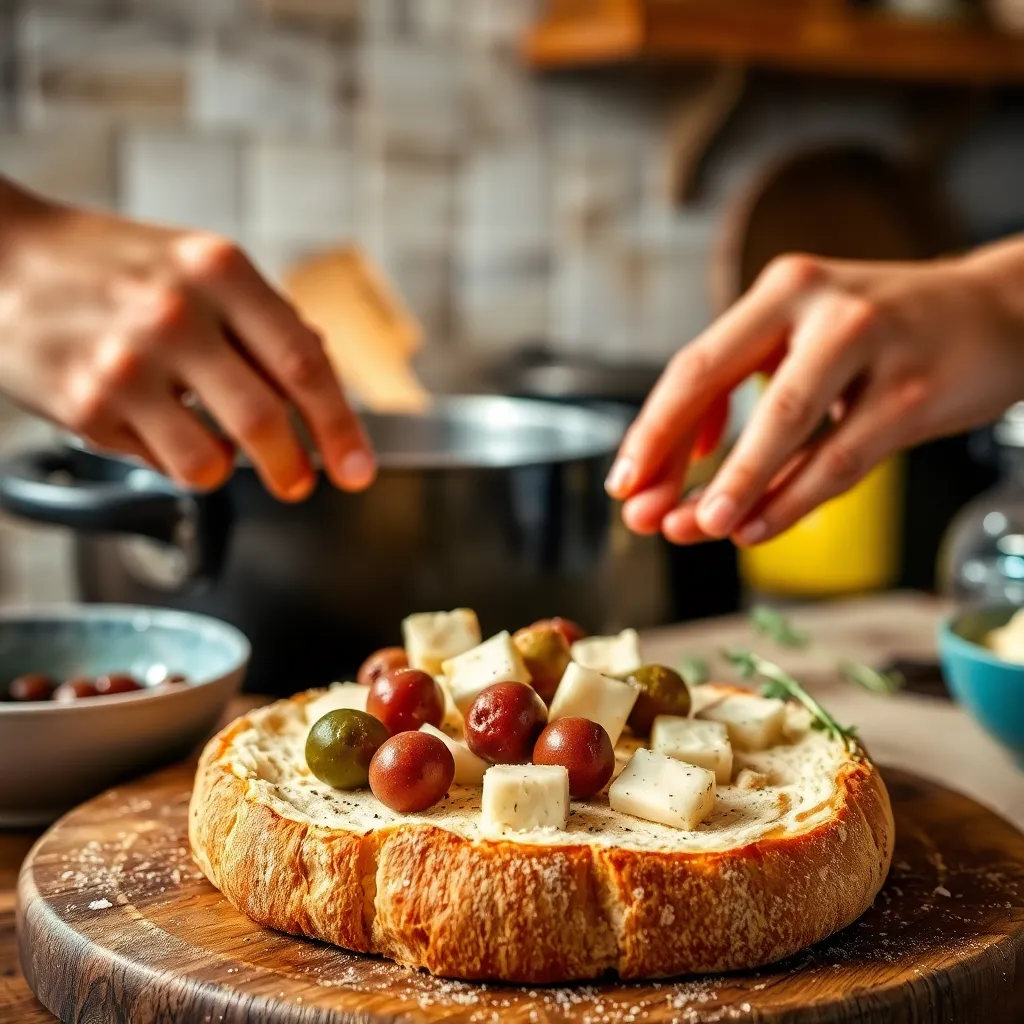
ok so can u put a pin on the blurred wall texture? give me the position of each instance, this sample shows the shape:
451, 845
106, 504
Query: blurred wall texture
506, 206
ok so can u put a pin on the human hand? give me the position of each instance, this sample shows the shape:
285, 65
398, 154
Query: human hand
107, 327
889, 355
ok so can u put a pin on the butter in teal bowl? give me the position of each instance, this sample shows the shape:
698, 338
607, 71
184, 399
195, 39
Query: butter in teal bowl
54, 755
991, 688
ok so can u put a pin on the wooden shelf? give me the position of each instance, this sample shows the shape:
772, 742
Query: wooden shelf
819, 36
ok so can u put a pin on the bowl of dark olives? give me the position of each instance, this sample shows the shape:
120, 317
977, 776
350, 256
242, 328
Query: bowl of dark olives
92, 695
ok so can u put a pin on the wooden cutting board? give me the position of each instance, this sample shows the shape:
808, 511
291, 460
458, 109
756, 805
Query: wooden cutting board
117, 925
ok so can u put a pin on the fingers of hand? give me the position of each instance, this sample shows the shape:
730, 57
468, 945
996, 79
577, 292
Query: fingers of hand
254, 415
724, 355
187, 452
644, 512
879, 425
680, 525
289, 353
826, 355
122, 440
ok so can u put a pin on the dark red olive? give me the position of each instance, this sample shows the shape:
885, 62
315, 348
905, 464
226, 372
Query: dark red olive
504, 722
404, 699
411, 772
116, 682
384, 660
583, 748
75, 689
32, 686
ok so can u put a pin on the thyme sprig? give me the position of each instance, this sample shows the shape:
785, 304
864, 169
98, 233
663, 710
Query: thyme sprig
694, 669
779, 683
772, 623
775, 625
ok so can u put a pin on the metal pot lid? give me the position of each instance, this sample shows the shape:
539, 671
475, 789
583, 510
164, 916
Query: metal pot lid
488, 431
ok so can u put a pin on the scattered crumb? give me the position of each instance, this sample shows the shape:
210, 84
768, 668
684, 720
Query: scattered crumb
100, 905
750, 779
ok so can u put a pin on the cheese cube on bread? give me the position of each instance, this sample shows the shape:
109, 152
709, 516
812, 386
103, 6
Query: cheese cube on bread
705, 744
584, 693
659, 788
431, 638
614, 656
337, 696
495, 661
469, 769
518, 797
754, 723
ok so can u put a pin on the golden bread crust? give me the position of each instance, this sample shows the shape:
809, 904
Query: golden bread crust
426, 897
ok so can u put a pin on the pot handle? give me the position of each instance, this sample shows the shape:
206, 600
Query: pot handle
152, 508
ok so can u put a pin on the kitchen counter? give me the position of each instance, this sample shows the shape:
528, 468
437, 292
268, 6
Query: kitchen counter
926, 735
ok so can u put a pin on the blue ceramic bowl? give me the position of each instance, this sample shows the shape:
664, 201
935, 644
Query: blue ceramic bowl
989, 687
53, 755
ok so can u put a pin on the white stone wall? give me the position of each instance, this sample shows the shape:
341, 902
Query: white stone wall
508, 207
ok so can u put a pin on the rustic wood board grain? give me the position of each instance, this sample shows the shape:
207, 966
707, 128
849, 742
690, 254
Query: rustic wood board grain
117, 925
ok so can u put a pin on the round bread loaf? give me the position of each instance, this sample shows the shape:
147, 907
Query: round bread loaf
795, 849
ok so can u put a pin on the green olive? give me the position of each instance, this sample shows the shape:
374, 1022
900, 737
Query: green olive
340, 746
662, 692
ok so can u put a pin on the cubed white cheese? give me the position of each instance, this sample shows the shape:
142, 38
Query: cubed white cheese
585, 693
610, 655
659, 788
754, 723
338, 695
431, 638
518, 797
705, 744
469, 769
495, 660
452, 717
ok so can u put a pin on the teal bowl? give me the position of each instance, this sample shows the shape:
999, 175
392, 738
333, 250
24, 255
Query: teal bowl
990, 688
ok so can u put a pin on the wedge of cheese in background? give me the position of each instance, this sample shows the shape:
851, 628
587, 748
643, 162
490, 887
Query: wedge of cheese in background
469, 769
659, 788
754, 723
705, 744
431, 638
369, 335
519, 797
495, 660
615, 656
585, 693
338, 695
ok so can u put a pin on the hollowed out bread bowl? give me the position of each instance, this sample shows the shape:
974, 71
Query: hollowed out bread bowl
772, 870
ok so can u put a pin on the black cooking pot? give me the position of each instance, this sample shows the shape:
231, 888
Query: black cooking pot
487, 502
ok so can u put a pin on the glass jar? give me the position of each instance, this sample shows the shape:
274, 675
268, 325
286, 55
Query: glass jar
982, 555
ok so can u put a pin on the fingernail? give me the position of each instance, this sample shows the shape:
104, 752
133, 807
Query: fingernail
357, 470
753, 532
717, 515
621, 477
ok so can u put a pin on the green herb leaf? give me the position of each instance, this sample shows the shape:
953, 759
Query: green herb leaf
772, 623
694, 669
779, 683
886, 683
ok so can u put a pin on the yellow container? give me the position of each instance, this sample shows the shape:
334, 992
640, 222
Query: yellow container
849, 544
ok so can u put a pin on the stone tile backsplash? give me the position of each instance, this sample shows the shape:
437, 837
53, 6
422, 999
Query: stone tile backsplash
509, 206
